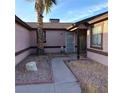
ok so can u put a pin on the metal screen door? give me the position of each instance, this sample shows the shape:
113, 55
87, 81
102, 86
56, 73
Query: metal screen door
69, 38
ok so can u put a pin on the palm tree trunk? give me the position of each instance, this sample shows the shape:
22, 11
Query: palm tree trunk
40, 46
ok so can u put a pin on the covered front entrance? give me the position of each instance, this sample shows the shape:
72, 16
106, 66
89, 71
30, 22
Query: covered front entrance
76, 41
81, 39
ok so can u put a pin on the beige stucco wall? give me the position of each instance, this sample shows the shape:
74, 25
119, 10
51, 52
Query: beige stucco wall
33, 37
105, 37
22, 37
54, 38
22, 41
98, 57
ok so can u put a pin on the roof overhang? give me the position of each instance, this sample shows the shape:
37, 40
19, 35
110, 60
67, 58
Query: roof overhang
99, 16
22, 23
84, 24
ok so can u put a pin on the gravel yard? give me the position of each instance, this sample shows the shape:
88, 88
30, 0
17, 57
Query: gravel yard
43, 75
93, 76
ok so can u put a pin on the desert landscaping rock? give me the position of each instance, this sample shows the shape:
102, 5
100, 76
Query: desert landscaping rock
92, 76
42, 75
31, 66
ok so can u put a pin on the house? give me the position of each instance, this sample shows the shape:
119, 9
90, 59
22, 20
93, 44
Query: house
88, 37
56, 36
55, 33
94, 31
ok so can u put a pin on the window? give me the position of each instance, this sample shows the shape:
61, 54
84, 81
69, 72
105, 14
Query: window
96, 36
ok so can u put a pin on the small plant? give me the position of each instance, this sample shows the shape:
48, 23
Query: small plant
62, 50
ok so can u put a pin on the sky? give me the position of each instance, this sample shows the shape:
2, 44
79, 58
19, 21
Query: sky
65, 10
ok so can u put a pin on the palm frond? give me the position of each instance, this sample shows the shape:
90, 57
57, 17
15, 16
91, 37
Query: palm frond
48, 5
41, 5
54, 1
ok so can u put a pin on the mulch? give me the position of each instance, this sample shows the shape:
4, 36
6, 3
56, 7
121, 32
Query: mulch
43, 75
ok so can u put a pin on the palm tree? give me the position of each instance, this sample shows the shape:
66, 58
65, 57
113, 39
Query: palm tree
40, 6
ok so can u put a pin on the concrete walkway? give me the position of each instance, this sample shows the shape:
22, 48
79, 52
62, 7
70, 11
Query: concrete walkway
65, 82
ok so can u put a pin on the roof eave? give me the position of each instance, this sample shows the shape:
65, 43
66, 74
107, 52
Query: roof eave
85, 22
22, 23
91, 18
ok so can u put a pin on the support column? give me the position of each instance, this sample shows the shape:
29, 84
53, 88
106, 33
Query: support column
78, 45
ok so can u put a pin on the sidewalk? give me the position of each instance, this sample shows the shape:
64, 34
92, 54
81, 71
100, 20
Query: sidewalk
65, 82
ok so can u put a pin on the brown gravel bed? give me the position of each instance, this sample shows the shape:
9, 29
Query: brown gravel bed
93, 76
43, 75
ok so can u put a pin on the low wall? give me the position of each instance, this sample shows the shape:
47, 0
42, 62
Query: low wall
98, 57
20, 57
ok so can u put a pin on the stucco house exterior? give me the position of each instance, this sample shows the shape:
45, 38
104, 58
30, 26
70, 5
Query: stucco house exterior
96, 36
56, 36
89, 37
55, 33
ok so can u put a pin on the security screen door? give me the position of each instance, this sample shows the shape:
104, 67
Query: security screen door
69, 40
